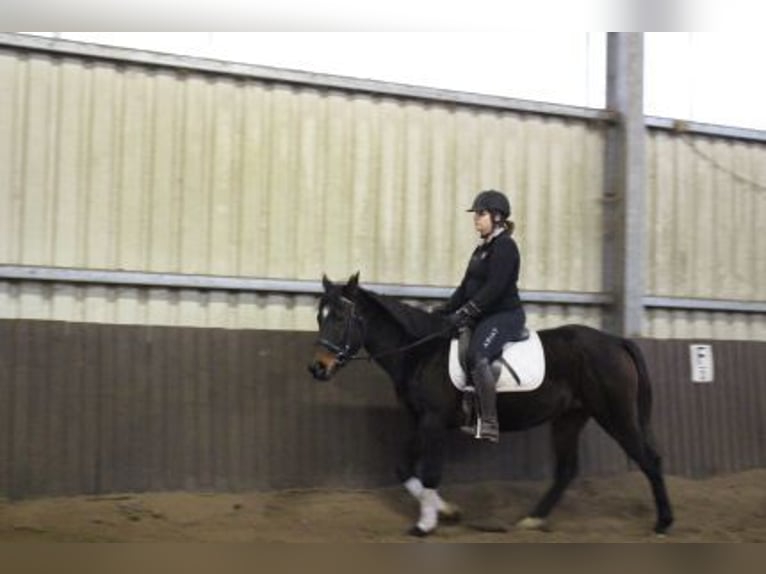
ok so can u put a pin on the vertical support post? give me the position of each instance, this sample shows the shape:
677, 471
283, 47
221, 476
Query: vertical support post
624, 186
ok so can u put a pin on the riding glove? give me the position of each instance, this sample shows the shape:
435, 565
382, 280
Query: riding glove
465, 316
441, 309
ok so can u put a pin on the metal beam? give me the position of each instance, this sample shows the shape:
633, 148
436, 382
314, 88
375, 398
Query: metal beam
694, 304
140, 279
178, 63
703, 129
253, 285
624, 193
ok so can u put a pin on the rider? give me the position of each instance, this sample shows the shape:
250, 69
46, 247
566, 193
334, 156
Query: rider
487, 301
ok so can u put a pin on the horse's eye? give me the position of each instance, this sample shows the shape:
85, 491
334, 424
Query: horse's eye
324, 312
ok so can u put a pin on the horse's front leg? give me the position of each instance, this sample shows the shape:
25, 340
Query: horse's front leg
427, 451
447, 512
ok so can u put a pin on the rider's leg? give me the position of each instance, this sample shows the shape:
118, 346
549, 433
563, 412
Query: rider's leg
484, 382
487, 343
484, 343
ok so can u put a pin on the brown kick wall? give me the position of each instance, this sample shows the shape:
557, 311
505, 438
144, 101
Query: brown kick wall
87, 408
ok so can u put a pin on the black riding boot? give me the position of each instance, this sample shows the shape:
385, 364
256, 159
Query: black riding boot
484, 383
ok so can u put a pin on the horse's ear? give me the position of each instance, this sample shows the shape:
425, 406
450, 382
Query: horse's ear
326, 283
353, 283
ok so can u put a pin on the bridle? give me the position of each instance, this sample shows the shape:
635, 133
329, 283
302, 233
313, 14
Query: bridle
344, 353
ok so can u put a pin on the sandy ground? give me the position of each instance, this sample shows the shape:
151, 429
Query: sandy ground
615, 509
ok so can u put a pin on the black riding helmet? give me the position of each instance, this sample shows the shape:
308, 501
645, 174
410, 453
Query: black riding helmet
493, 201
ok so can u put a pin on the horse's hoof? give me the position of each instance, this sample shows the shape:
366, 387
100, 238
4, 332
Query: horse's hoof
532, 523
418, 532
450, 515
662, 526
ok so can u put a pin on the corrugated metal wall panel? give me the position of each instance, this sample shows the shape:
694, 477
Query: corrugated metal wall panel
549, 316
677, 324
114, 166
560, 211
705, 229
121, 166
706, 222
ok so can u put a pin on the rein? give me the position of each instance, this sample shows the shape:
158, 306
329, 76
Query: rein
407, 347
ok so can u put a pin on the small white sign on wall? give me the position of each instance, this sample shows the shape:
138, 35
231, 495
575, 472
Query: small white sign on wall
701, 357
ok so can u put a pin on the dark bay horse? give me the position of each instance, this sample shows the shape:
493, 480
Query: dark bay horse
588, 374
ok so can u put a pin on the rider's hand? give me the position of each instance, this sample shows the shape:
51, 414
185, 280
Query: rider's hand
441, 309
465, 316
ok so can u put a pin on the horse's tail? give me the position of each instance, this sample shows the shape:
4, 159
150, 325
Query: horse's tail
644, 387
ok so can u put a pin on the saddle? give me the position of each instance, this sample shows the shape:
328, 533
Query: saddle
519, 368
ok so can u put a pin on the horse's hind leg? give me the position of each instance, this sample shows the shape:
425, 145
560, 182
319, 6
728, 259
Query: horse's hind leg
641, 451
565, 433
653, 472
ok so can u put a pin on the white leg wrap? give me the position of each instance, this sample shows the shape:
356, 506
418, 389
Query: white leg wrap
429, 510
414, 487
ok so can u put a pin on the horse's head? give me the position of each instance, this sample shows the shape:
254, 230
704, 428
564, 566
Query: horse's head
341, 328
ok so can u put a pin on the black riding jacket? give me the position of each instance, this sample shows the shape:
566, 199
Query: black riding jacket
491, 277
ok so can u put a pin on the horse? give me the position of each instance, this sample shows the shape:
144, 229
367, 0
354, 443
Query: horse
589, 374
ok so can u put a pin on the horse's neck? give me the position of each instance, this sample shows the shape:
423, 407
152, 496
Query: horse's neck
383, 332
384, 337
389, 342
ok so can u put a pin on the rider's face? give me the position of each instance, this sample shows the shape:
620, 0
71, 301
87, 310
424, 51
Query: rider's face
482, 222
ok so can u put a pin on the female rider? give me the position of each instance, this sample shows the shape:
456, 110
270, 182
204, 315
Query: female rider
487, 301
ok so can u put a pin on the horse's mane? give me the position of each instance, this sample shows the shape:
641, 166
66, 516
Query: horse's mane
416, 322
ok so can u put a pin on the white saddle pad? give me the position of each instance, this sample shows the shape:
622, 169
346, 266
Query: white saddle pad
525, 358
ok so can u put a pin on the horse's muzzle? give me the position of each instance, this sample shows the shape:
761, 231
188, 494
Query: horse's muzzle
323, 367
319, 371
